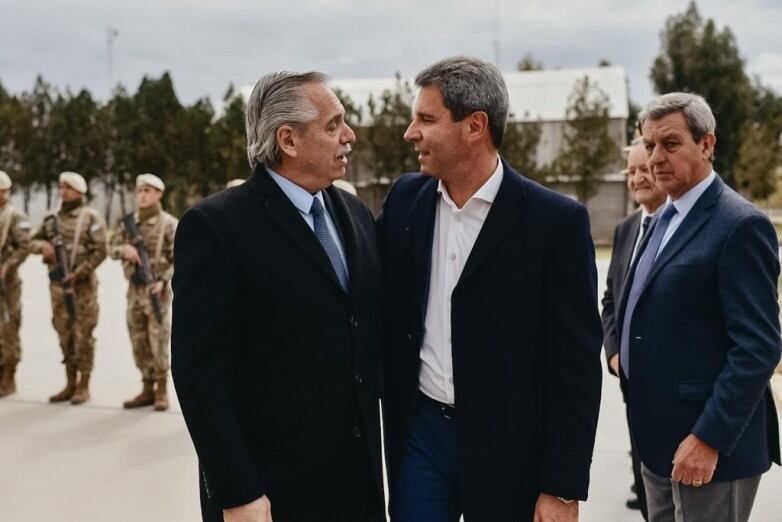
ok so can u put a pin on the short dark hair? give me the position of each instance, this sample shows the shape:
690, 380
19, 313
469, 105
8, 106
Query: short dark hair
470, 85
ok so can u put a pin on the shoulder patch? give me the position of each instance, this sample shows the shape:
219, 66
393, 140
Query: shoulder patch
24, 225
95, 227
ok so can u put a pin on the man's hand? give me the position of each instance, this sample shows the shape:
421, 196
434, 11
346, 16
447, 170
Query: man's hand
47, 251
259, 510
613, 362
69, 279
129, 253
694, 462
156, 287
550, 509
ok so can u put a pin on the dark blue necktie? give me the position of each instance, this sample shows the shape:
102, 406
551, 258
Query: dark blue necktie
645, 226
639, 279
328, 243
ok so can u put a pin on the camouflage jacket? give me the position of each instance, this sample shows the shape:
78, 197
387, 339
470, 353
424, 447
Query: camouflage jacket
158, 234
17, 238
92, 247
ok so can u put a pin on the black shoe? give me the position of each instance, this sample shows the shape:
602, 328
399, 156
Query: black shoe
633, 503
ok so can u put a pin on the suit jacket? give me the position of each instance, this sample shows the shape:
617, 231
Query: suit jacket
526, 341
704, 339
276, 367
625, 237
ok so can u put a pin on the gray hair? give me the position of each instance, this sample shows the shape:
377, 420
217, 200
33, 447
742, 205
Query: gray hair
277, 99
694, 108
470, 85
636, 141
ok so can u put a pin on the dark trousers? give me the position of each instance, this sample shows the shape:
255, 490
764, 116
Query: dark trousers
427, 488
638, 480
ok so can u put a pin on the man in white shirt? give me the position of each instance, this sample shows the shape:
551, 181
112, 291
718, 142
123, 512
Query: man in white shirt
492, 337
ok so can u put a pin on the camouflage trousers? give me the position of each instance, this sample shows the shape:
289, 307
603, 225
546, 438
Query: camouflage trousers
82, 356
11, 304
149, 338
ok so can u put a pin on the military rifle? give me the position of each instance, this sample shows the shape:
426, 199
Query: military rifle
3, 288
142, 271
60, 275
4, 298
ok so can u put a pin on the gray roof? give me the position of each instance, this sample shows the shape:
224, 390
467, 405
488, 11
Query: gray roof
534, 95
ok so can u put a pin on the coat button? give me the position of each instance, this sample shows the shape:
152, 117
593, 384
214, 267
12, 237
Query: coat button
410, 337
353, 321
358, 378
357, 433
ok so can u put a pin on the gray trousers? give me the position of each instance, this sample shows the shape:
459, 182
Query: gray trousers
670, 501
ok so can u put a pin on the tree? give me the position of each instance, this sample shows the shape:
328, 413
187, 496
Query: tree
633, 110
755, 172
35, 138
529, 63
75, 139
589, 150
696, 57
389, 155
520, 147
228, 140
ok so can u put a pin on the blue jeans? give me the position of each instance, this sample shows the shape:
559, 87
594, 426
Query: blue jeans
427, 489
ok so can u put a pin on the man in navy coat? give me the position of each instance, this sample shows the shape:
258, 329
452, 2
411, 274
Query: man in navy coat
699, 333
492, 337
276, 330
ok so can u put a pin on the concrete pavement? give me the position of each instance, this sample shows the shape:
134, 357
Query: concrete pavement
96, 462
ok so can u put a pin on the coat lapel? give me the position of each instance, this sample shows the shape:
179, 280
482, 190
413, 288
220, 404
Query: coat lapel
695, 219
505, 212
629, 246
288, 218
421, 228
346, 224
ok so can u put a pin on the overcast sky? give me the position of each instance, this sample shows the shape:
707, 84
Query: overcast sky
207, 44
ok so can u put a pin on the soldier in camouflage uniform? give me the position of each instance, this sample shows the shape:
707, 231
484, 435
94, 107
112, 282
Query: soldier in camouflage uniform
83, 234
150, 338
14, 247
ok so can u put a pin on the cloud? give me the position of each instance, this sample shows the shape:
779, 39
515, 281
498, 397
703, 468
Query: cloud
206, 45
768, 66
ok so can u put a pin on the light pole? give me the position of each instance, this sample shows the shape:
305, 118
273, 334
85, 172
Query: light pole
496, 41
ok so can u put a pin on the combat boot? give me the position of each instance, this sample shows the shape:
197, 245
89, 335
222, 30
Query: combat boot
70, 387
82, 393
145, 398
161, 397
8, 382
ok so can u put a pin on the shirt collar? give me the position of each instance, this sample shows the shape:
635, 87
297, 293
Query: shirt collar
487, 192
685, 203
299, 196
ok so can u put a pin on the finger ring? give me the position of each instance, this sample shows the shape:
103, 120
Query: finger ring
697, 483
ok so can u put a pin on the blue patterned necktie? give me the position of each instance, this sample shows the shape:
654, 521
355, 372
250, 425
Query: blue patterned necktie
639, 279
329, 245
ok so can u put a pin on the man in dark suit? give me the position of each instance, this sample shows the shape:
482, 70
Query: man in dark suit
492, 337
699, 335
627, 238
276, 328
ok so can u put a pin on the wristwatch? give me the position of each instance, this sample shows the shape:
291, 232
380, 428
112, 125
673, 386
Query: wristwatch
565, 500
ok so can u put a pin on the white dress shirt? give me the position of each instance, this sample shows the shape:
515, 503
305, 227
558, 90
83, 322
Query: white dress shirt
455, 232
302, 200
683, 206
